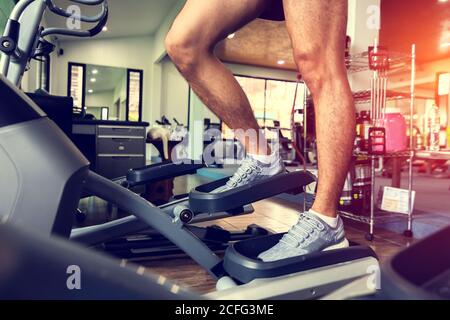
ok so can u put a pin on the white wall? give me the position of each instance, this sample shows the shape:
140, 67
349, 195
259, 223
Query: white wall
95, 101
174, 93
100, 99
363, 31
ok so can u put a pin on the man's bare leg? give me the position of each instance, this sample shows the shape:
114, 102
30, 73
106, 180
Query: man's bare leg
190, 44
317, 29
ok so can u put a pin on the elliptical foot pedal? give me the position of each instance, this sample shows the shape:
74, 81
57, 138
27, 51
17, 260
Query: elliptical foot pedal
242, 264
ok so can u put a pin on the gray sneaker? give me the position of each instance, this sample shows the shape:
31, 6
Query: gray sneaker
310, 234
252, 170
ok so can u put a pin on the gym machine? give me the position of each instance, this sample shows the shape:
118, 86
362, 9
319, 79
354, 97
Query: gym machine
34, 151
24, 40
419, 272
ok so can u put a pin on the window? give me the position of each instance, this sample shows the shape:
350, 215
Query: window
76, 85
271, 101
134, 99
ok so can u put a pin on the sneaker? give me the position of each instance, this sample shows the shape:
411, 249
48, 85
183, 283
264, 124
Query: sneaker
252, 170
310, 234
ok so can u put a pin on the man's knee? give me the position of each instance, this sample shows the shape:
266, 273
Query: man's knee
183, 50
317, 66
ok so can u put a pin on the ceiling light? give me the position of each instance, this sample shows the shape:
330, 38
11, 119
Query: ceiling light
93, 80
281, 62
90, 91
231, 35
95, 71
442, 1
105, 28
445, 45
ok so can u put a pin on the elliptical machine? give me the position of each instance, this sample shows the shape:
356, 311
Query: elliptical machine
34, 151
24, 39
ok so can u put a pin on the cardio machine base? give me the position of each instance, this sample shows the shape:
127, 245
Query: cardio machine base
152, 245
242, 264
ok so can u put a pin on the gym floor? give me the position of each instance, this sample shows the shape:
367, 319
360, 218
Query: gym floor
273, 214
278, 216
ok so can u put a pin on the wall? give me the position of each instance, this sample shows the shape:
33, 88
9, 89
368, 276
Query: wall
174, 93
95, 101
423, 22
5, 8
120, 91
363, 28
100, 99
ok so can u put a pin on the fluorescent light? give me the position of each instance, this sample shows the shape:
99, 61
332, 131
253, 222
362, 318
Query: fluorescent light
90, 91
105, 28
281, 62
95, 71
231, 35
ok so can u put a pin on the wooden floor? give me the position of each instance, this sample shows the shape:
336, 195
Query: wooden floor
273, 214
277, 216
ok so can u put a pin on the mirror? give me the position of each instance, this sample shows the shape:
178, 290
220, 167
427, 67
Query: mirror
106, 93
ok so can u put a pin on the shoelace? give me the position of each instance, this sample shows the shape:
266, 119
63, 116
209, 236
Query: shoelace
248, 165
301, 231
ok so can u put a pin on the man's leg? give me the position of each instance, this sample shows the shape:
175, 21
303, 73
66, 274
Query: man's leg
318, 29
190, 44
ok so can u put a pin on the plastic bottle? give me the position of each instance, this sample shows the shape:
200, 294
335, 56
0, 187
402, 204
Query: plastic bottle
358, 139
434, 128
395, 125
361, 187
365, 126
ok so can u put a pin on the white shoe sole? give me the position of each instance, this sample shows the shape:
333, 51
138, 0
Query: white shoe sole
341, 245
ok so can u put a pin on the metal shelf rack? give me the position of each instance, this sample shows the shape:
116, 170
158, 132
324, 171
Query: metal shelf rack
378, 99
397, 61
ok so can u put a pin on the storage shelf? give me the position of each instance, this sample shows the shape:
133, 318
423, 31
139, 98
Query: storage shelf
360, 62
399, 154
363, 96
398, 62
379, 217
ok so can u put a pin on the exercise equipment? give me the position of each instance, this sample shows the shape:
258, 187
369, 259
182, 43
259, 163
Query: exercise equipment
34, 151
405, 276
24, 40
26, 134
35, 267
127, 238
